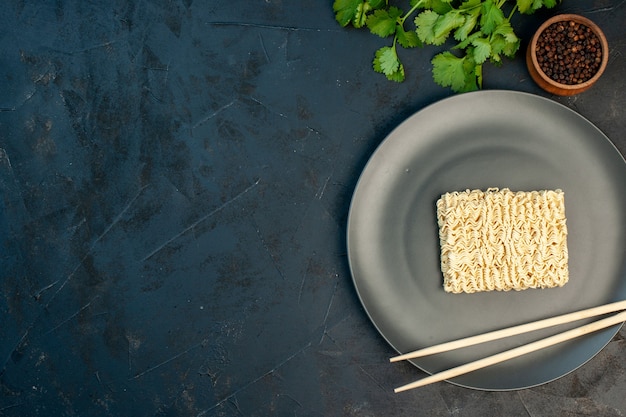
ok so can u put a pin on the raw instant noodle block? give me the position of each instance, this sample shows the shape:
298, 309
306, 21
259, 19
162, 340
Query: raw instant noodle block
502, 240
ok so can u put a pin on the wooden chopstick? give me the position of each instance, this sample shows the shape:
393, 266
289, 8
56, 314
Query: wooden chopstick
512, 331
515, 352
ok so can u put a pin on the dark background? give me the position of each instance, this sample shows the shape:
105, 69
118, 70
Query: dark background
176, 178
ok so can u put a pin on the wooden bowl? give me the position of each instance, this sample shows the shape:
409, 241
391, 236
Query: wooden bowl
547, 83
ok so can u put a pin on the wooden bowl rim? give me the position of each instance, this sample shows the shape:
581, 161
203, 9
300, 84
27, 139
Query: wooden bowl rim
579, 19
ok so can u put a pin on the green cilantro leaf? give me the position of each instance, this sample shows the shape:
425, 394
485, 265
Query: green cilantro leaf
495, 58
525, 6
473, 73
438, 6
499, 45
503, 41
383, 22
506, 30
460, 74
491, 17
386, 62
448, 71
397, 76
377, 4
360, 18
530, 6
434, 29
482, 50
425, 24
345, 10
470, 4
468, 41
407, 39
471, 19
511, 48
550, 3
478, 74
447, 23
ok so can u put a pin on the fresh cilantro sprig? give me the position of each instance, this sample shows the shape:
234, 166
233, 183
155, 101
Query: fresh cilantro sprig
385, 21
481, 28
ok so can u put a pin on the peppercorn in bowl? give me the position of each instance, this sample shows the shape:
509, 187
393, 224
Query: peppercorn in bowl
567, 54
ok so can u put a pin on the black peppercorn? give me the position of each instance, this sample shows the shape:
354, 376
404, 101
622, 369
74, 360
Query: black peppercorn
577, 57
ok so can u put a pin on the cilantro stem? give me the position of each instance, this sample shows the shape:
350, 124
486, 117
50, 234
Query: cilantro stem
512, 12
410, 12
478, 71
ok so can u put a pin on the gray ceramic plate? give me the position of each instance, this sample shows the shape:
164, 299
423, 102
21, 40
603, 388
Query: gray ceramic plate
481, 140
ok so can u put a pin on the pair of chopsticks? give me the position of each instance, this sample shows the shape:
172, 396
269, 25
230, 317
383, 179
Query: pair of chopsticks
519, 351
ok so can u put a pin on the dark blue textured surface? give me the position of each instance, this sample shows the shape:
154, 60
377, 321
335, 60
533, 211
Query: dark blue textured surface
175, 179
